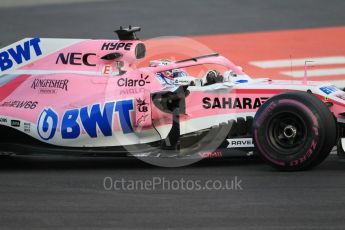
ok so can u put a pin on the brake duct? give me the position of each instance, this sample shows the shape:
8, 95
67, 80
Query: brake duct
173, 103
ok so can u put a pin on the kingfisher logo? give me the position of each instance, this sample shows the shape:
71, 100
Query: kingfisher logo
20, 53
86, 118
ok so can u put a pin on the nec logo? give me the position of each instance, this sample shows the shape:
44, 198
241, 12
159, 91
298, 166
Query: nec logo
20, 53
75, 59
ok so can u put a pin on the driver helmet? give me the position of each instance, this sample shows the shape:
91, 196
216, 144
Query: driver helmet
169, 73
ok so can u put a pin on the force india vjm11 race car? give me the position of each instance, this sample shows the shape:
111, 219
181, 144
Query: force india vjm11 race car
87, 97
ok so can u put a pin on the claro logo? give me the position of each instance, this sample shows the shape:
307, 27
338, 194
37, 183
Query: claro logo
125, 82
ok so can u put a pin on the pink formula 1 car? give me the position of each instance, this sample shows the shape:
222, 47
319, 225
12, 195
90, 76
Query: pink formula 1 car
70, 96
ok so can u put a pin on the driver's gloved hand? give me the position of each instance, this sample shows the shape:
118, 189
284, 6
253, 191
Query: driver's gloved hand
213, 76
219, 78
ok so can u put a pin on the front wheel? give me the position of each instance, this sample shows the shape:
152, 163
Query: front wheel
294, 131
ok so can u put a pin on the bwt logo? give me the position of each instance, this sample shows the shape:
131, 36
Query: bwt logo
329, 89
87, 118
20, 53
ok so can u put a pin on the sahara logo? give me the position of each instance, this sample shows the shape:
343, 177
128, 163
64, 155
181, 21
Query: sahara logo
88, 118
19, 54
233, 103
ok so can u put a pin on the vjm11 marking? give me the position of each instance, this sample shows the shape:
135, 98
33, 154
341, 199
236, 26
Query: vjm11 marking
86, 117
19, 54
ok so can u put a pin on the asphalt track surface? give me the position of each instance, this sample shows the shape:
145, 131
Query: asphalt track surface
68, 193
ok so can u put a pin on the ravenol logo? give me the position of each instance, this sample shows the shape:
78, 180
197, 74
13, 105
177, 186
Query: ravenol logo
19, 54
90, 119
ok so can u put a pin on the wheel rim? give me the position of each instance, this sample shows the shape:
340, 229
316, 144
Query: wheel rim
287, 132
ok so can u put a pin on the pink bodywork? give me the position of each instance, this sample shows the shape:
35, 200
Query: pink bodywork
96, 82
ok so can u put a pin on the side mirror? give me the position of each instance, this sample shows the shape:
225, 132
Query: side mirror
111, 56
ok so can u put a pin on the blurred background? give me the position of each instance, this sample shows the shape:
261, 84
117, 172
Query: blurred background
267, 38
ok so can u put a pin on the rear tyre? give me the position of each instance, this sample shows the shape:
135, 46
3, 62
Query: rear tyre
294, 131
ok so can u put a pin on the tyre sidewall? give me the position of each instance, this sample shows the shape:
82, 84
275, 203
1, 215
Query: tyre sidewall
316, 119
